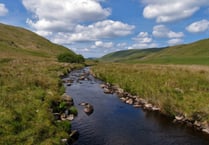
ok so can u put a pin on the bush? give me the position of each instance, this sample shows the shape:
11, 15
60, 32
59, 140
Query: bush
73, 111
70, 58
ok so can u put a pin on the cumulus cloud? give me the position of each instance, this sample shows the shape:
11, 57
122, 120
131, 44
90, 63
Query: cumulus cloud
3, 10
143, 46
95, 31
143, 37
175, 41
171, 10
57, 15
143, 40
101, 44
71, 21
161, 31
121, 45
199, 26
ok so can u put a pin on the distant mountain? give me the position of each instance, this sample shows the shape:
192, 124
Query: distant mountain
194, 53
16, 41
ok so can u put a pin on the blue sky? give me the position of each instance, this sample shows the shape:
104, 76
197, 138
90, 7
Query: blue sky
96, 27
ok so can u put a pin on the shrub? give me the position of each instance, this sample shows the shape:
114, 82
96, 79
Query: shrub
73, 110
70, 58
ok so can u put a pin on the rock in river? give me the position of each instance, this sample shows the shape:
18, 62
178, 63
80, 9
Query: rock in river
89, 109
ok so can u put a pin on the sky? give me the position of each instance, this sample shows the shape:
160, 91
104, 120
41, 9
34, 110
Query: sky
94, 28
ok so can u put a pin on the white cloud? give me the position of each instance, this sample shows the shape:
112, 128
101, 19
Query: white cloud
57, 15
143, 37
3, 10
199, 26
175, 41
121, 45
161, 31
71, 21
101, 44
171, 10
95, 31
143, 46
143, 40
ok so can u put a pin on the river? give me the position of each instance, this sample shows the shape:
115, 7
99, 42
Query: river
116, 123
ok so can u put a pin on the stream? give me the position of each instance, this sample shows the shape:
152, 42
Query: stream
116, 123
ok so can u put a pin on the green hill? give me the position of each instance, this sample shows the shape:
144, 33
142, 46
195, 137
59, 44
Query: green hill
129, 55
16, 41
194, 53
30, 87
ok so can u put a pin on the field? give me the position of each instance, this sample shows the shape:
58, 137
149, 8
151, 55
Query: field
27, 89
176, 89
29, 84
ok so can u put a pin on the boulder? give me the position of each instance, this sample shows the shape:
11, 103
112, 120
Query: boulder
57, 116
82, 78
89, 109
103, 86
64, 141
67, 98
205, 130
197, 124
107, 91
69, 84
63, 117
137, 106
179, 118
148, 106
70, 117
123, 99
130, 101
155, 108
120, 91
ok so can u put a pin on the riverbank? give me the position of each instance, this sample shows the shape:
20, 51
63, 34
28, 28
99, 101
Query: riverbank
28, 87
180, 92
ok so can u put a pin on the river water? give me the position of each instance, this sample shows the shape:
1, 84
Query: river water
116, 123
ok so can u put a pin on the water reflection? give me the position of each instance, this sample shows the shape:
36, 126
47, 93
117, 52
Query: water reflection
116, 123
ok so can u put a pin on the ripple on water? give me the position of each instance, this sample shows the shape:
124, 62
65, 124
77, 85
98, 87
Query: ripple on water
116, 123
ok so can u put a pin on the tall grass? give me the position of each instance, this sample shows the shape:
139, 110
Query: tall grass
27, 89
175, 89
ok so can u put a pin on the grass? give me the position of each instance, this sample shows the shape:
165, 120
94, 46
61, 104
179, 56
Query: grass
176, 89
27, 88
194, 53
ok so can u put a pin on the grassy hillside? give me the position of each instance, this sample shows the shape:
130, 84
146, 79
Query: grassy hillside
194, 53
15, 41
128, 55
29, 84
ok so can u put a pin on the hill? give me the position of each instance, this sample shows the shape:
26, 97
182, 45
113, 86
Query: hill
129, 55
30, 87
16, 41
194, 53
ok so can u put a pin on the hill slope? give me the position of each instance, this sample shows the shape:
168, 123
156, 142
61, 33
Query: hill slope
128, 55
15, 41
194, 53
29, 87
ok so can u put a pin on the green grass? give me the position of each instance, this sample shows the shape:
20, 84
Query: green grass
27, 88
16, 41
194, 53
29, 85
176, 89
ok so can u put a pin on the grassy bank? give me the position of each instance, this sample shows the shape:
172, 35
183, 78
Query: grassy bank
176, 89
27, 89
